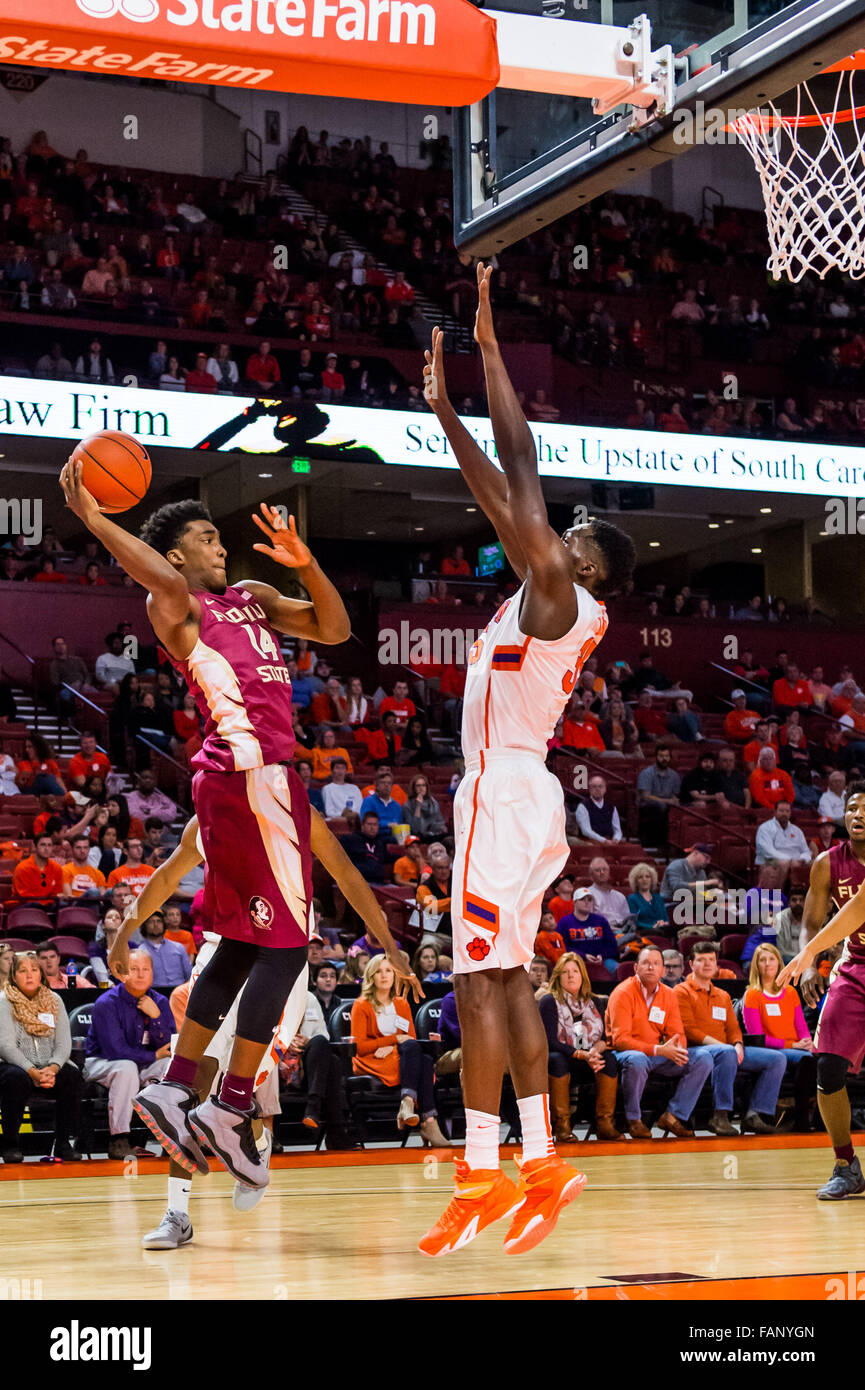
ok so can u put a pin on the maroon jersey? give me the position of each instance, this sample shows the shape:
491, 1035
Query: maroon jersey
241, 685
846, 874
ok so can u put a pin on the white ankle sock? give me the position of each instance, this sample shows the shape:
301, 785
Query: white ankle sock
178, 1194
482, 1139
535, 1121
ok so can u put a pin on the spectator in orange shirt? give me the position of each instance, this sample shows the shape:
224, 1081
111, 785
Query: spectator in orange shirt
38, 773
843, 698
645, 1028
549, 942
175, 930
387, 1048
329, 708
398, 291
332, 381
262, 369
410, 865
434, 890
563, 902
399, 702
324, 753
382, 744
48, 572
455, 563
89, 761
791, 691
91, 577
741, 722
769, 783
38, 879
765, 736
80, 879
853, 724
198, 378
580, 727
133, 871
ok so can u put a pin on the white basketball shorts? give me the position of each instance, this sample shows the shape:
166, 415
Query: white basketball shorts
509, 829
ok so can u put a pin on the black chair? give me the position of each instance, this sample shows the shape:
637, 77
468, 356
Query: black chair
93, 1096
370, 1102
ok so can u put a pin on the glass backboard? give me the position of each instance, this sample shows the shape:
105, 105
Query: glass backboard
522, 159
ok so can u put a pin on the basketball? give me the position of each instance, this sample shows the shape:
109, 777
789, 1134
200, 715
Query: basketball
117, 469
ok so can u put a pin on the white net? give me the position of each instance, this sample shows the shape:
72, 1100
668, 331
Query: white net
811, 164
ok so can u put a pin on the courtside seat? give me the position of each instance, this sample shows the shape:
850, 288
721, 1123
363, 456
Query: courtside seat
78, 917
370, 1102
31, 919
733, 944
69, 947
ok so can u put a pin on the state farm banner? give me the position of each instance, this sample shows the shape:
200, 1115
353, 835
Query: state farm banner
296, 428
421, 52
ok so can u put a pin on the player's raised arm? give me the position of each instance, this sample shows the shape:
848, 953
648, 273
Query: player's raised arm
817, 901
324, 618
354, 887
486, 482
850, 918
141, 562
545, 554
160, 885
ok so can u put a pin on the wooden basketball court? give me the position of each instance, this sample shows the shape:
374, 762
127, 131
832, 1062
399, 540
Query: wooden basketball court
668, 1220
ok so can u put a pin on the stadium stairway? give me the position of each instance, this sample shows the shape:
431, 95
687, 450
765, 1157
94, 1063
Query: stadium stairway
458, 337
64, 741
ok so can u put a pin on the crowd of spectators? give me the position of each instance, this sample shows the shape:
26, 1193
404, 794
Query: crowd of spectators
234, 284
639, 893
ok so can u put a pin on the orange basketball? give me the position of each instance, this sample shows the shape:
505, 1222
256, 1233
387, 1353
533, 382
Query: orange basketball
117, 469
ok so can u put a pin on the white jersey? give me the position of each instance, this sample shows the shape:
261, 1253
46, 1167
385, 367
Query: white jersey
517, 686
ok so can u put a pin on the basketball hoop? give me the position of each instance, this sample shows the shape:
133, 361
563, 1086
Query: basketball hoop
811, 162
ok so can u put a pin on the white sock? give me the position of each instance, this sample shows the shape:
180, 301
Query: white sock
178, 1194
535, 1121
482, 1139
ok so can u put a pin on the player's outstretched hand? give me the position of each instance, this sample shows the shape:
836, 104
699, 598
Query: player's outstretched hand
813, 986
78, 499
405, 979
118, 960
434, 389
793, 971
286, 547
485, 334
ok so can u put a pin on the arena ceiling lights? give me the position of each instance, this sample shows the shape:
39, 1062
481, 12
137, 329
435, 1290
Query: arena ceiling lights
422, 52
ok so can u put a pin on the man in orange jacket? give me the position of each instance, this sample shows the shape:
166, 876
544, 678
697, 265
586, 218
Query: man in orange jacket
645, 1028
38, 879
712, 1030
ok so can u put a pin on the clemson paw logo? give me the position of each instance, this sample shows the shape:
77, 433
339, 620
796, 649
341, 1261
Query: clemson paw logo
141, 11
478, 949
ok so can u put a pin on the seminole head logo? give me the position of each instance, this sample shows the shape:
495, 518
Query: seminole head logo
261, 913
141, 11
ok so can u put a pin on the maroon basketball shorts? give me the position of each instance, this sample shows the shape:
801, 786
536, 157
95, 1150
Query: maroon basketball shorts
841, 1029
254, 828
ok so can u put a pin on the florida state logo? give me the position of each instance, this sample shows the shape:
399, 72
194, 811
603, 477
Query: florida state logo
261, 913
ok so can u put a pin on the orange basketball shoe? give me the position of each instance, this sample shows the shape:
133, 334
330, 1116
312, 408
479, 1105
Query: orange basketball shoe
481, 1196
547, 1185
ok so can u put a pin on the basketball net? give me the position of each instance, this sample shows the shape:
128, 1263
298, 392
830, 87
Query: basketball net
812, 169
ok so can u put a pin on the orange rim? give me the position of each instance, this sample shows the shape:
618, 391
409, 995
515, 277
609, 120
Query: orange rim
855, 62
